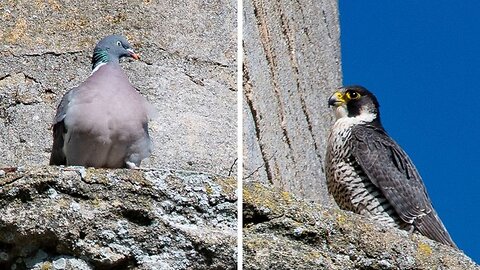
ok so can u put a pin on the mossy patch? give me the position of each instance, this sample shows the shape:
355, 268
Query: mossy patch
424, 249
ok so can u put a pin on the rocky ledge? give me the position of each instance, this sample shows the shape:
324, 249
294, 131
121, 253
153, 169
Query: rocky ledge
281, 232
77, 218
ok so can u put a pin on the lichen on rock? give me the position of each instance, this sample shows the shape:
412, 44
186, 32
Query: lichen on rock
102, 219
282, 232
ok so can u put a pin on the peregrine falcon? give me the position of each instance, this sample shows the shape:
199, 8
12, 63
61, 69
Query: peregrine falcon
368, 173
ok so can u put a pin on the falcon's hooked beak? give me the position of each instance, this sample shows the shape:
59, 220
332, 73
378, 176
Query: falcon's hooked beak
133, 54
336, 100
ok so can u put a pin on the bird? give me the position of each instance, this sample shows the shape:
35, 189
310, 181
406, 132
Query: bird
368, 173
103, 122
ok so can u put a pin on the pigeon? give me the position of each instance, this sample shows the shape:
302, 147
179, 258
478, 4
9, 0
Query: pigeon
103, 122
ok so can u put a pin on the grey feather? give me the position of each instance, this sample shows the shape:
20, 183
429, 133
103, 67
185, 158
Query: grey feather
58, 156
104, 121
390, 169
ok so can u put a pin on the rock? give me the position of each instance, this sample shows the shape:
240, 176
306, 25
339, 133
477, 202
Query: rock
187, 71
135, 219
292, 65
282, 232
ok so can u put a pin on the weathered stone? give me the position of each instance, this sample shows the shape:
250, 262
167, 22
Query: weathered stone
281, 232
141, 219
292, 64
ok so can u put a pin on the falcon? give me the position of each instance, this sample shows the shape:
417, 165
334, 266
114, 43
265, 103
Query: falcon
369, 174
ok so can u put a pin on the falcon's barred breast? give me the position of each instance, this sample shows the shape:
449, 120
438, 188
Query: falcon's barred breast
368, 173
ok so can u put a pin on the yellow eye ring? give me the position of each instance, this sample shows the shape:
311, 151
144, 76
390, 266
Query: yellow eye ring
352, 95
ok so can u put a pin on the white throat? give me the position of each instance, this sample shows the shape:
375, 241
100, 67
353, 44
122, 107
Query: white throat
365, 115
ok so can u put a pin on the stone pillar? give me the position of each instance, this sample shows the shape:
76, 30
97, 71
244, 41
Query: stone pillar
291, 66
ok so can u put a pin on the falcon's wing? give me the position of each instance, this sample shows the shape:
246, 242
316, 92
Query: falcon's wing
391, 170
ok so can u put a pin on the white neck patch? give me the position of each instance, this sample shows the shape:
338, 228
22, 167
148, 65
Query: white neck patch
365, 116
97, 67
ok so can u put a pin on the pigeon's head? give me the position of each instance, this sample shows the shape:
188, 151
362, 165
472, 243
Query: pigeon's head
355, 101
111, 49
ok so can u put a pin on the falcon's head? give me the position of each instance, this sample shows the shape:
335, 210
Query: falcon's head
355, 101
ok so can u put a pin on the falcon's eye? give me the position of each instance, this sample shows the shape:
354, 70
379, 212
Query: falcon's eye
353, 95
119, 44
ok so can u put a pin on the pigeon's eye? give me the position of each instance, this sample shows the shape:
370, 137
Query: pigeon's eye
353, 95
119, 44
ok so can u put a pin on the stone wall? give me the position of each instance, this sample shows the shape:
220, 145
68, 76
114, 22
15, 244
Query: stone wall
187, 71
180, 213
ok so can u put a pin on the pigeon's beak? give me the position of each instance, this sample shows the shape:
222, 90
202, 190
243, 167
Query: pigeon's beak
133, 54
336, 99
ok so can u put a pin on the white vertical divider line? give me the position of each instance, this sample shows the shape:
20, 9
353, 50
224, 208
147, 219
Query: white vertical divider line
239, 134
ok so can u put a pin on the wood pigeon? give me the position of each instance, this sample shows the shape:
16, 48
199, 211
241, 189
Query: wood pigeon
103, 122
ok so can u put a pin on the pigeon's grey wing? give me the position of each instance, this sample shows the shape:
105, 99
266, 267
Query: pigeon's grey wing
391, 170
57, 156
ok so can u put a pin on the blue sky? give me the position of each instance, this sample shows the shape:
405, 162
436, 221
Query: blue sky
422, 61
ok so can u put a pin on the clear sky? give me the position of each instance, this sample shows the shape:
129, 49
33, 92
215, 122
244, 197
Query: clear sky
422, 61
